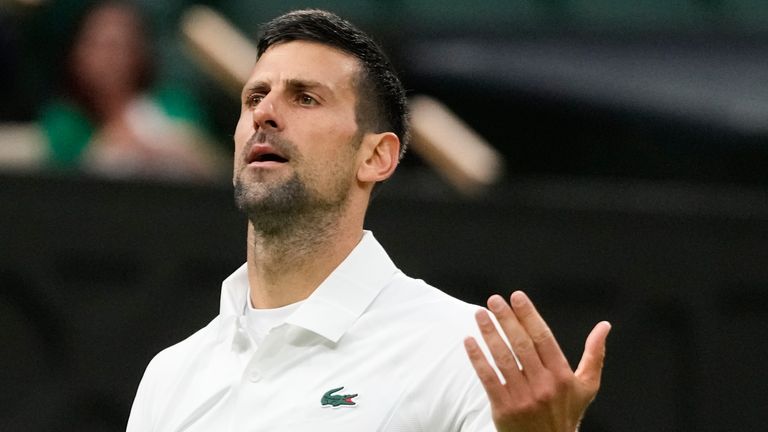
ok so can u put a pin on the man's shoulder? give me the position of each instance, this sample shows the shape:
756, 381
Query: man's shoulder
172, 370
181, 352
421, 301
422, 291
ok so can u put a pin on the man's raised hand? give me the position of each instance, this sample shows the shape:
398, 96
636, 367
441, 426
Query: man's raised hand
540, 392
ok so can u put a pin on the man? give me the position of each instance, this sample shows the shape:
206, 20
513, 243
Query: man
319, 330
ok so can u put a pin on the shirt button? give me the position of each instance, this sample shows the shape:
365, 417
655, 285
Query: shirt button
255, 376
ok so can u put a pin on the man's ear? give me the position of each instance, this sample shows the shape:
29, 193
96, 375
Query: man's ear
381, 154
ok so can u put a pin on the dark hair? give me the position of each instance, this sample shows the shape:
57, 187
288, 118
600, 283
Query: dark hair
381, 104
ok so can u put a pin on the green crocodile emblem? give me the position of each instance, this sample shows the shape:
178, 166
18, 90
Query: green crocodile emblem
329, 398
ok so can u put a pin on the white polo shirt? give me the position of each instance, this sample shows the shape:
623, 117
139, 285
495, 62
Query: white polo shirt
370, 350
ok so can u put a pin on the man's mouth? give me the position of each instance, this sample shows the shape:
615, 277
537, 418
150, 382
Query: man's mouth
270, 157
262, 153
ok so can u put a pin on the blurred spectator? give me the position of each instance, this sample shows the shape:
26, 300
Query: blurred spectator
112, 118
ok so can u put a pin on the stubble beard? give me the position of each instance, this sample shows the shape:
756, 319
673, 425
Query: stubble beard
290, 210
288, 207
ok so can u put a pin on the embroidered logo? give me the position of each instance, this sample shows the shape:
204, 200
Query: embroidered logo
329, 398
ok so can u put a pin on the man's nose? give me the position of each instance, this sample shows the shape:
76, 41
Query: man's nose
266, 115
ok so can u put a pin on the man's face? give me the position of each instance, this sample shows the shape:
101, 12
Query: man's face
297, 138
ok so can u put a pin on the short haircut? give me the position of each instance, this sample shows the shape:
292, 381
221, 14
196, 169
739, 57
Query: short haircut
381, 102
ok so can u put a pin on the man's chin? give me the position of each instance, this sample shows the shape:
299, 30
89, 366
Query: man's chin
275, 197
253, 198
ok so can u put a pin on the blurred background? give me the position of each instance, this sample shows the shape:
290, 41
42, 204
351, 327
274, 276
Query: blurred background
623, 175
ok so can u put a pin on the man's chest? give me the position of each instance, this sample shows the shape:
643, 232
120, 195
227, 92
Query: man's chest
307, 386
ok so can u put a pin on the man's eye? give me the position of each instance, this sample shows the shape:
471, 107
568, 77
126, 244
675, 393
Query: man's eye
254, 99
307, 100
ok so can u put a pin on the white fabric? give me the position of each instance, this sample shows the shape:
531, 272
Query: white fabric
394, 341
260, 321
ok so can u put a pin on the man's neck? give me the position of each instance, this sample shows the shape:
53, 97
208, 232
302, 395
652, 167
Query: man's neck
287, 268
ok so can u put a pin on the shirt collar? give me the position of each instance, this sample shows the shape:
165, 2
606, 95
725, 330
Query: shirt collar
337, 302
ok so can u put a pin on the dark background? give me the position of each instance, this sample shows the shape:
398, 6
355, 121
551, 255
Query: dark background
636, 141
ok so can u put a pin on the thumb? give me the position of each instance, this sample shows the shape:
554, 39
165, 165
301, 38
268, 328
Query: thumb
591, 364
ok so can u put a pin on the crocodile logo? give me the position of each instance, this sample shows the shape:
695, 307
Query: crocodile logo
329, 398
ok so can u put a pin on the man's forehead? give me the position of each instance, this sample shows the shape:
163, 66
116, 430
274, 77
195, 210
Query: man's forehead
306, 60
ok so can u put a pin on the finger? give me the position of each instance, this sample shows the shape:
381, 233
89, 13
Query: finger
591, 364
518, 337
550, 354
500, 351
497, 393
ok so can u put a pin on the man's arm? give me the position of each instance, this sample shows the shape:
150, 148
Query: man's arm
540, 392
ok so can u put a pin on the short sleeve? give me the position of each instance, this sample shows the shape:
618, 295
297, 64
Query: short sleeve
463, 402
